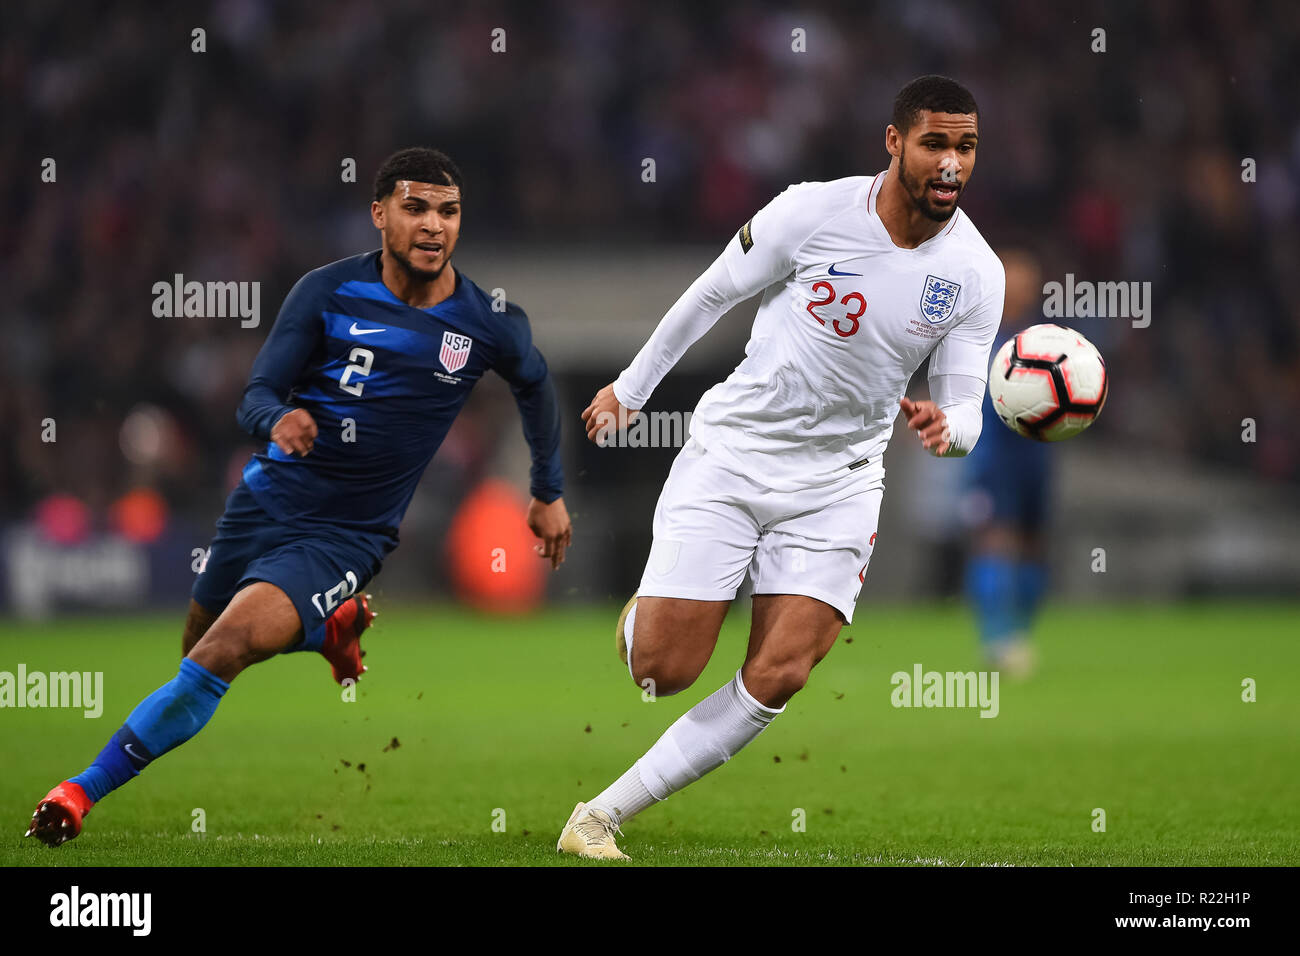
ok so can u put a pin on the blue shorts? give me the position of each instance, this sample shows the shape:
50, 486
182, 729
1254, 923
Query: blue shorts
317, 566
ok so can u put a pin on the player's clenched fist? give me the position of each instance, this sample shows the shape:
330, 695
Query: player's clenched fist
295, 433
929, 422
550, 522
606, 415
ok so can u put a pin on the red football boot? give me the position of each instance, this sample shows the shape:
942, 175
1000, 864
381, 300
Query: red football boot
58, 817
342, 647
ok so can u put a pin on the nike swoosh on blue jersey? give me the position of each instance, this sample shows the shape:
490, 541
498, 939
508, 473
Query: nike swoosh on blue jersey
356, 331
835, 273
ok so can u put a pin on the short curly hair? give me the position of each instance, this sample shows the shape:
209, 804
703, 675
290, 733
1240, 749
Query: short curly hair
419, 165
937, 94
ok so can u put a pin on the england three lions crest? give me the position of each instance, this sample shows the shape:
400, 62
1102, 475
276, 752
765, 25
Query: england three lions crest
938, 299
455, 351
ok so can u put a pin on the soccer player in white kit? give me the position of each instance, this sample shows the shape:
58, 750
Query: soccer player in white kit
862, 279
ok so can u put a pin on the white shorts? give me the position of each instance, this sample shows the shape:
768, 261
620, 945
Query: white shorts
711, 525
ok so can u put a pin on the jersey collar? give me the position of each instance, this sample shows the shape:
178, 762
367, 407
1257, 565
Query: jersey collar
456, 293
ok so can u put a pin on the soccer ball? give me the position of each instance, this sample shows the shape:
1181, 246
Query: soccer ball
1048, 383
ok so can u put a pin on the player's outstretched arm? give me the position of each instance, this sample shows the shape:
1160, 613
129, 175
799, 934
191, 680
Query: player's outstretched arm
762, 252
522, 365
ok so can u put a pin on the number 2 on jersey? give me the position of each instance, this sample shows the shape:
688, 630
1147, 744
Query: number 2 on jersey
360, 359
830, 297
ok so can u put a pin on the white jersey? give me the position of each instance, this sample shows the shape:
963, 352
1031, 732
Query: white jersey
846, 319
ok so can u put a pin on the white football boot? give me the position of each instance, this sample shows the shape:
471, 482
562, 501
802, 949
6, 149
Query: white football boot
1015, 657
590, 833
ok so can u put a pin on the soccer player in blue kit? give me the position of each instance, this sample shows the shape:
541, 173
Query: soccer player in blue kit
1009, 482
366, 367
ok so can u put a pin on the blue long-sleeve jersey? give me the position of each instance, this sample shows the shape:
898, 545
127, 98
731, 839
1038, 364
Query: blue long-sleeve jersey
383, 381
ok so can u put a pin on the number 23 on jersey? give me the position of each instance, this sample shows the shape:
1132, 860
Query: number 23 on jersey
827, 291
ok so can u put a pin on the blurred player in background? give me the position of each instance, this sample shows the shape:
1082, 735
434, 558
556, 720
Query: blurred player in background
1008, 477
862, 279
366, 368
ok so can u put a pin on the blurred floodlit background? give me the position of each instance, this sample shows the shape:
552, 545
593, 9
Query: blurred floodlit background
225, 166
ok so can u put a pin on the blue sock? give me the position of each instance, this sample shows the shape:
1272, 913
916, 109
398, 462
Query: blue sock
1031, 583
991, 587
167, 718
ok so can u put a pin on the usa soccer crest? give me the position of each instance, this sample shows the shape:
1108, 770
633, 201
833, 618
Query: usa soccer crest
938, 299
455, 351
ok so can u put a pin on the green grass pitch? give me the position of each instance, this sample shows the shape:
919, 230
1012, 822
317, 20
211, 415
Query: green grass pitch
468, 719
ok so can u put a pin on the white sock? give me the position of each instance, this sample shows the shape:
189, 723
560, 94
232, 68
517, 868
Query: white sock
702, 739
624, 798
628, 623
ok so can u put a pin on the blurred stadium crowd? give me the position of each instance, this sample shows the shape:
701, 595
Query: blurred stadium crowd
225, 165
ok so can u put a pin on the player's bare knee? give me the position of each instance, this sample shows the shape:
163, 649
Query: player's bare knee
228, 648
774, 680
662, 674
663, 681
788, 680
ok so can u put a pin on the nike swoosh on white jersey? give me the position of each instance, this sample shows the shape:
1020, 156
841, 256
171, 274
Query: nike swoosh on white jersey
356, 331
